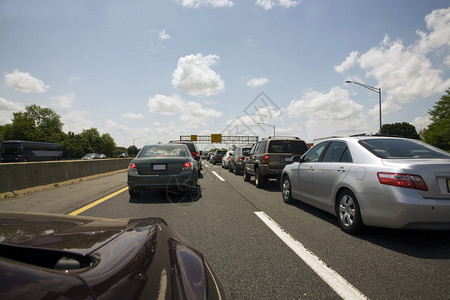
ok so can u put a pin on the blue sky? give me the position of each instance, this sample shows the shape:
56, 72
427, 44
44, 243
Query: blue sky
150, 71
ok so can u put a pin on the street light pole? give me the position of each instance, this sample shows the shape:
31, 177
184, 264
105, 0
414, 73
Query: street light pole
273, 126
373, 89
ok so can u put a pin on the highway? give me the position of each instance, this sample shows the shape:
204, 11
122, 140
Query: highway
261, 248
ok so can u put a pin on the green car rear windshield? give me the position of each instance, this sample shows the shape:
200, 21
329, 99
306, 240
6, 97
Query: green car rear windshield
176, 150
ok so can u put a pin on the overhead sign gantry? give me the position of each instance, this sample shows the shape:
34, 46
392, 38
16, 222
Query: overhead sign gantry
220, 139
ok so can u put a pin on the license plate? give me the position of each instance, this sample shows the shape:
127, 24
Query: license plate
159, 167
448, 185
288, 159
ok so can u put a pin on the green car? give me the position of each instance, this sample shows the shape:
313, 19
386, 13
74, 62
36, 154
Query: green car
163, 167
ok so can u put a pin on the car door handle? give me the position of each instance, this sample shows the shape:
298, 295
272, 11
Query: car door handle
310, 169
341, 170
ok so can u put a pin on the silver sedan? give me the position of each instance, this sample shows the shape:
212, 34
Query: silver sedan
374, 181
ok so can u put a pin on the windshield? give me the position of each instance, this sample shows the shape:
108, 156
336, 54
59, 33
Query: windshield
164, 151
402, 148
10, 148
287, 146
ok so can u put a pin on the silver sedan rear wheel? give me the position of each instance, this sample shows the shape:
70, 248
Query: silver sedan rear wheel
348, 212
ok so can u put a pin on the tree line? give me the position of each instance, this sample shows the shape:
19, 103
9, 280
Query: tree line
43, 124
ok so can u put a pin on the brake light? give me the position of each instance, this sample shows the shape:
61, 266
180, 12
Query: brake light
403, 180
228, 158
187, 166
266, 159
194, 154
240, 158
132, 166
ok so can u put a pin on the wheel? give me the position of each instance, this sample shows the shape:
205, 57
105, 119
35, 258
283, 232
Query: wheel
230, 169
260, 180
349, 213
246, 175
286, 191
134, 192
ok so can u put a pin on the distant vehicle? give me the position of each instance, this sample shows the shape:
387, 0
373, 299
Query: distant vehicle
90, 156
123, 155
194, 151
102, 156
226, 159
46, 256
217, 156
268, 157
237, 161
374, 181
163, 167
24, 151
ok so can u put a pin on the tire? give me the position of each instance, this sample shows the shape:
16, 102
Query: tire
134, 192
349, 213
286, 190
246, 175
260, 180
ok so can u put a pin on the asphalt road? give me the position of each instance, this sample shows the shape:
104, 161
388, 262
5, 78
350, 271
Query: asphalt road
226, 222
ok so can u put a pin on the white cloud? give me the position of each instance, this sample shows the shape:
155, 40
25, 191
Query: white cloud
192, 113
130, 115
256, 82
438, 22
333, 113
405, 72
347, 63
269, 4
163, 35
212, 3
25, 83
64, 101
77, 120
166, 105
7, 108
421, 122
195, 76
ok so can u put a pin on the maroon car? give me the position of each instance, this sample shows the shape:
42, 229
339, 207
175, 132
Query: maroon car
45, 256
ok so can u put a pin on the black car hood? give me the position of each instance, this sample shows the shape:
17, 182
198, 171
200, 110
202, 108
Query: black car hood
87, 257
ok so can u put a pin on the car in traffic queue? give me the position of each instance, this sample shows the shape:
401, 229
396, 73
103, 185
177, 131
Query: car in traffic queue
90, 156
268, 157
373, 181
237, 161
226, 159
217, 156
194, 152
163, 167
45, 256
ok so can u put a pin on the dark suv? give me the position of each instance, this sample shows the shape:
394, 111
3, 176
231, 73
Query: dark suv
194, 152
269, 156
217, 156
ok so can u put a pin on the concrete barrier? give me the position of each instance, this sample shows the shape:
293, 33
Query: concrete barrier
17, 176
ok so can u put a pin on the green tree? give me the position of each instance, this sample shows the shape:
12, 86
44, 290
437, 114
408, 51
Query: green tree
438, 132
132, 150
35, 124
403, 129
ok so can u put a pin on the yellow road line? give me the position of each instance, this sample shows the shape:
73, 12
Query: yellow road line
84, 208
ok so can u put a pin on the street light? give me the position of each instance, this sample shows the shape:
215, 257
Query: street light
273, 126
373, 89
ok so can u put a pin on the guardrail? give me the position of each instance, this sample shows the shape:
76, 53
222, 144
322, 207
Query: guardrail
17, 176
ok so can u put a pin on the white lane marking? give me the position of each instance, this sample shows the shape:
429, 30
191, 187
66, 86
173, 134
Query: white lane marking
341, 286
218, 176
